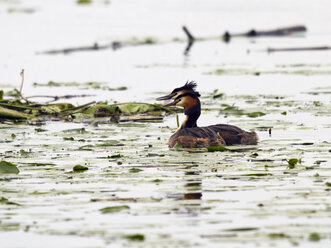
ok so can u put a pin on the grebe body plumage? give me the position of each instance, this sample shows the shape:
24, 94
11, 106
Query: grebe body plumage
191, 136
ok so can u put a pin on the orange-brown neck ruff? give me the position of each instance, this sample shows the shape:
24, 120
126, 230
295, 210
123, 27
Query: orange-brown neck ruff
188, 103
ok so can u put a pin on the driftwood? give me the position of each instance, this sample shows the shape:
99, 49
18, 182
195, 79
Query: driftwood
273, 32
297, 49
190, 40
95, 47
55, 98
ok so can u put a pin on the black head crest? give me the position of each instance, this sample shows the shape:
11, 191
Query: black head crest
188, 86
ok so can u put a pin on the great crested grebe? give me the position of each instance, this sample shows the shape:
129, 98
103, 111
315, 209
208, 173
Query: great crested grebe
191, 136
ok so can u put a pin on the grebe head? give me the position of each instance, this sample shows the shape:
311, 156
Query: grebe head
187, 100
192, 108
188, 87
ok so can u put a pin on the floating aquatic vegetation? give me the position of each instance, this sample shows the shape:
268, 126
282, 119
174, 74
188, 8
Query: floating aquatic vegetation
115, 156
79, 168
21, 10
314, 237
114, 209
255, 114
217, 149
135, 237
292, 163
236, 111
135, 170
244, 71
8, 168
6, 113
17, 110
4, 200
86, 85
277, 235
84, 1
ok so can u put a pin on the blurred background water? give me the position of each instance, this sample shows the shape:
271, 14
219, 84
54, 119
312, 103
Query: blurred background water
28, 27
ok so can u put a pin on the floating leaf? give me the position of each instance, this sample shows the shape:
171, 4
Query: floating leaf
135, 170
14, 93
135, 237
254, 155
178, 146
80, 168
115, 156
133, 108
241, 229
217, 149
84, 1
50, 109
292, 162
157, 181
315, 237
277, 235
102, 110
255, 114
4, 200
110, 143
257, 174
113, 209
327, 184
8, 168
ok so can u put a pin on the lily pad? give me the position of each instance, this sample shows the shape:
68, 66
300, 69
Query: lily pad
277, 235
8, 168
133, 108
115, 156
217, 149
113, 209
110, 143
4, 200
100, 110
255, 114
315, 237
328, 184
135, 170
178, 146
80, 168
135, 237
292, 162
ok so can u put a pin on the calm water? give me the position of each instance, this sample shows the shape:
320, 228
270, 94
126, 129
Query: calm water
179, 198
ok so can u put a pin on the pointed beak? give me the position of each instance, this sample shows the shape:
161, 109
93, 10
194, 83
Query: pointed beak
167, 97
170, 104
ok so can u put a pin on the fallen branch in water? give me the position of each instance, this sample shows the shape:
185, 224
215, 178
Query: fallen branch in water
190, 37
190, 40
297, 49
94, 47
55, 98
273, 32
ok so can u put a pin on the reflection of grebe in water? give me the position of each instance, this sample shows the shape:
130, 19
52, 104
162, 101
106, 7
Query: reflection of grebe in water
191, 136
